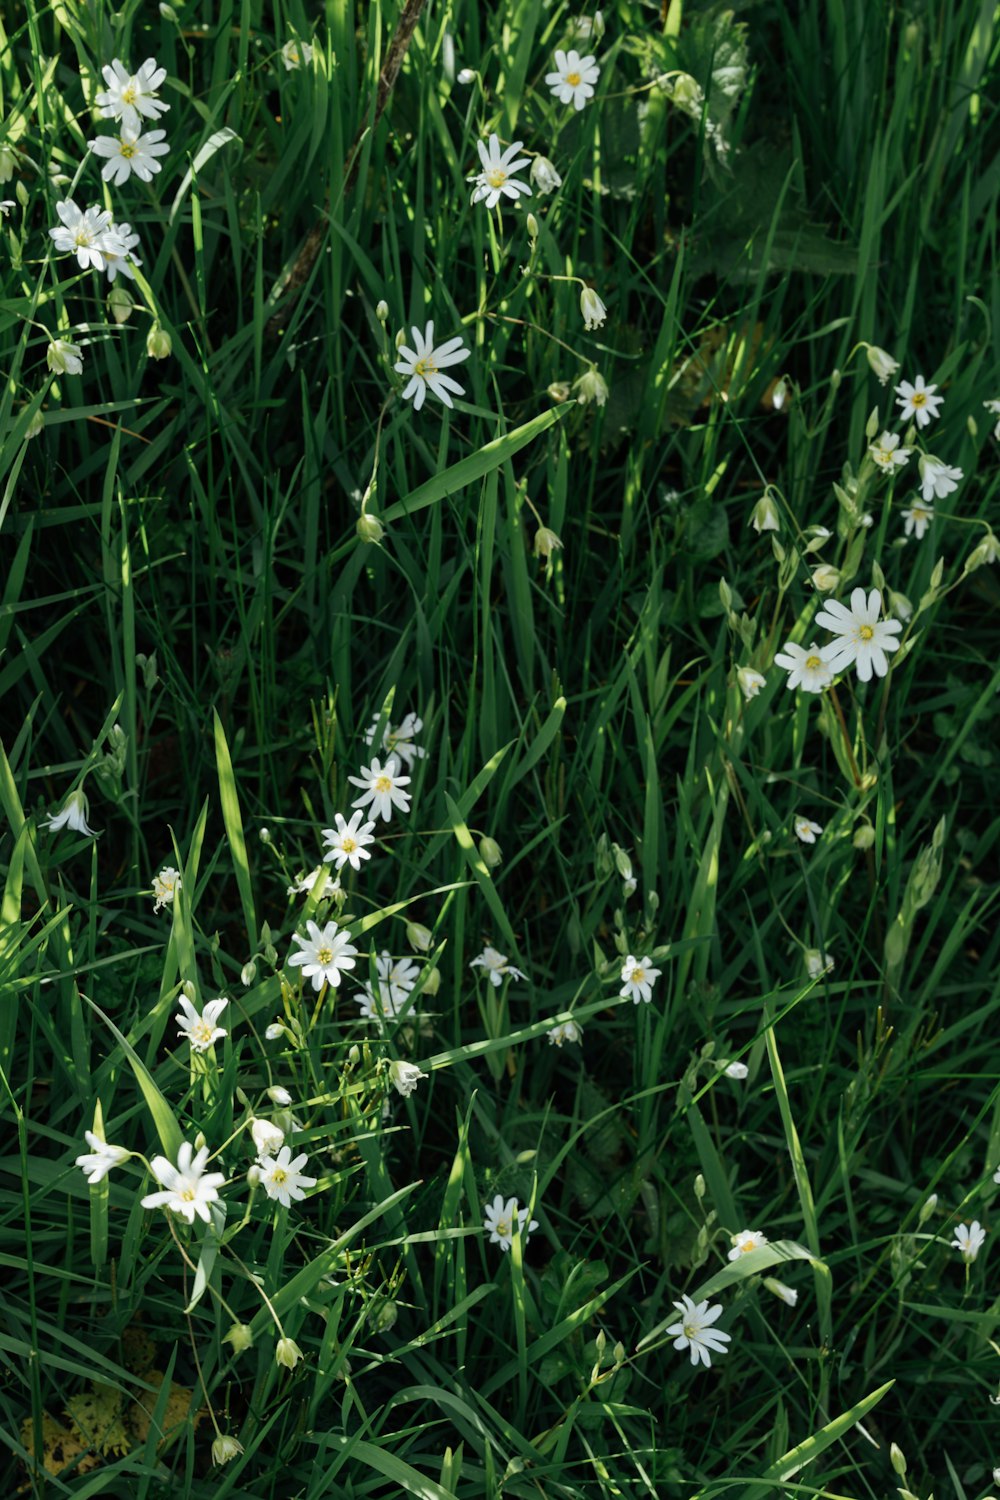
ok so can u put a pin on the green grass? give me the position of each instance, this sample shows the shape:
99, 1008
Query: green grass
192, 630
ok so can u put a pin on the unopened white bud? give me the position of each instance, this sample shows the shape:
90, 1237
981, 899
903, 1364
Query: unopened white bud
382, 311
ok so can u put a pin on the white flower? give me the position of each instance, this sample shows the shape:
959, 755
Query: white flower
188, 1189
750, 682
817, 963
120, 262
736, 1070
787, 1294
64, 358
764, 516
323, 956
266, 1137
807, 667
398, 739
130, 152
7, 206
574, 78
73, 815
225, 1447
275, 1031
544, 175
695, 1331
592, 308
497, 179
377, 1007
466, 75
917, 519
591, 386
864, 638
825, 578
807, 831
399, 974
937, 479
98, 1161
296, 54
131, 97
423, 366
496, 966
303, 884
201, 1030
885, 453
969, 1240
504, 1219
382, 786
405, 1077
85, 234
917, 401
8, 162
419, 937
638, 978
279, 1096
568, 1031
166, 886
745, 1241
347, 841
283, 1177
993, 407
882, 363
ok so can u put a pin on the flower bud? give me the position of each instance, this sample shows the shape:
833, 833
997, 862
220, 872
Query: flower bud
897, 1459
385, 1317
544, 176
264, 835
986, 553
927, 1209
224, 1448
275, 1031
401, 338
591, 386
419, 937
593, 309
558, 390
382, 311
597, 28
467, 75
699, 1187
737, 1070
532, 226
546, 542
764, 516
120, 304
267, 1137
490, 852
864, 836
432, 983
248, 974
825, 578
189, 990
159, 344
287, 1353
239, 1337
253, 1176
779, 1289
835, 379
280, 1096
872, 425
36, 425
369, 528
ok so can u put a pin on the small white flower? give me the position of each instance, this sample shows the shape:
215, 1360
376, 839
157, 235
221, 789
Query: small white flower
7, 207
201, 1030
99, 1160
750, 682
279, 1096
574, 78
503, 1220
275, 1031
64, 358
887, 453
917, 401
267, 1138
225, 1447
85, 234
737, 1070
188, 1189
130, 153
807, 667
346, 843
969, 1240
496, 966
73, 815
937, 479
283, 1178
398, 739
993, 407
131, 97
807, 831
787, 1294
882, 363
405, 1076
466, 75
323, 956
695, 1331
592, 308
296, 54
825, 578
544, 175
303, 884
864, 638
638, 978
166, 886
917, 519
497, 179
382, 786
423, 365
817, 963
745, 1241
120, 262
568, 1031
398, 974
591, 386
764, 516
287, 1353
380, 1006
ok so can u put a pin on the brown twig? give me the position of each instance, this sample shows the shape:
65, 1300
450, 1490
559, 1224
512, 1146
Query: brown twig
298, 274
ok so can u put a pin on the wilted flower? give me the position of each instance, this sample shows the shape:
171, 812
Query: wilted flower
882, 363
591, 386
764, 516
937, 479
544, 175
405, 1076
267, 1138
496, 966
490, 852
165, 887
750, 682
817, 963
787, 1294
159, 344
546, 542
593, 309
64, 358
239, 1338
225, 1448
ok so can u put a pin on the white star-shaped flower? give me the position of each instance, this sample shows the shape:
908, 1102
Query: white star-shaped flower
807, 831
346, 843
864, 638
283, 1178
187, 1188
495, 966
130, 153
399, 974
969, 1240
695, 1331
201, 1030
99, 1160
574, 78
498, 177
807, 667
638, 978
917, 519
398, 739
120, 263
424, 363
744, 1242
382, 786
937, 479
85, 233
504, 1219
887, 453
296, 54
917, 401
131, 97
568, 1031
323, 955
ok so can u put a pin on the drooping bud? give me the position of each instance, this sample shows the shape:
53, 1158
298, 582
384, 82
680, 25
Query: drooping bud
369, 528
159, 344
490, 852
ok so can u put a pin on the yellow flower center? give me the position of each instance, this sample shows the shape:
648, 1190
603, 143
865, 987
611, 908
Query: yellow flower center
383, 783
746, 1246
573, 79
424, 367
127, 149
279, 1176
919, 398
82, 237
866, 632
691, 1330
496, 177
324, 956
202, 1033
503, 1228
814, 663
638, 975
348, 845
129, 94
187, 1195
